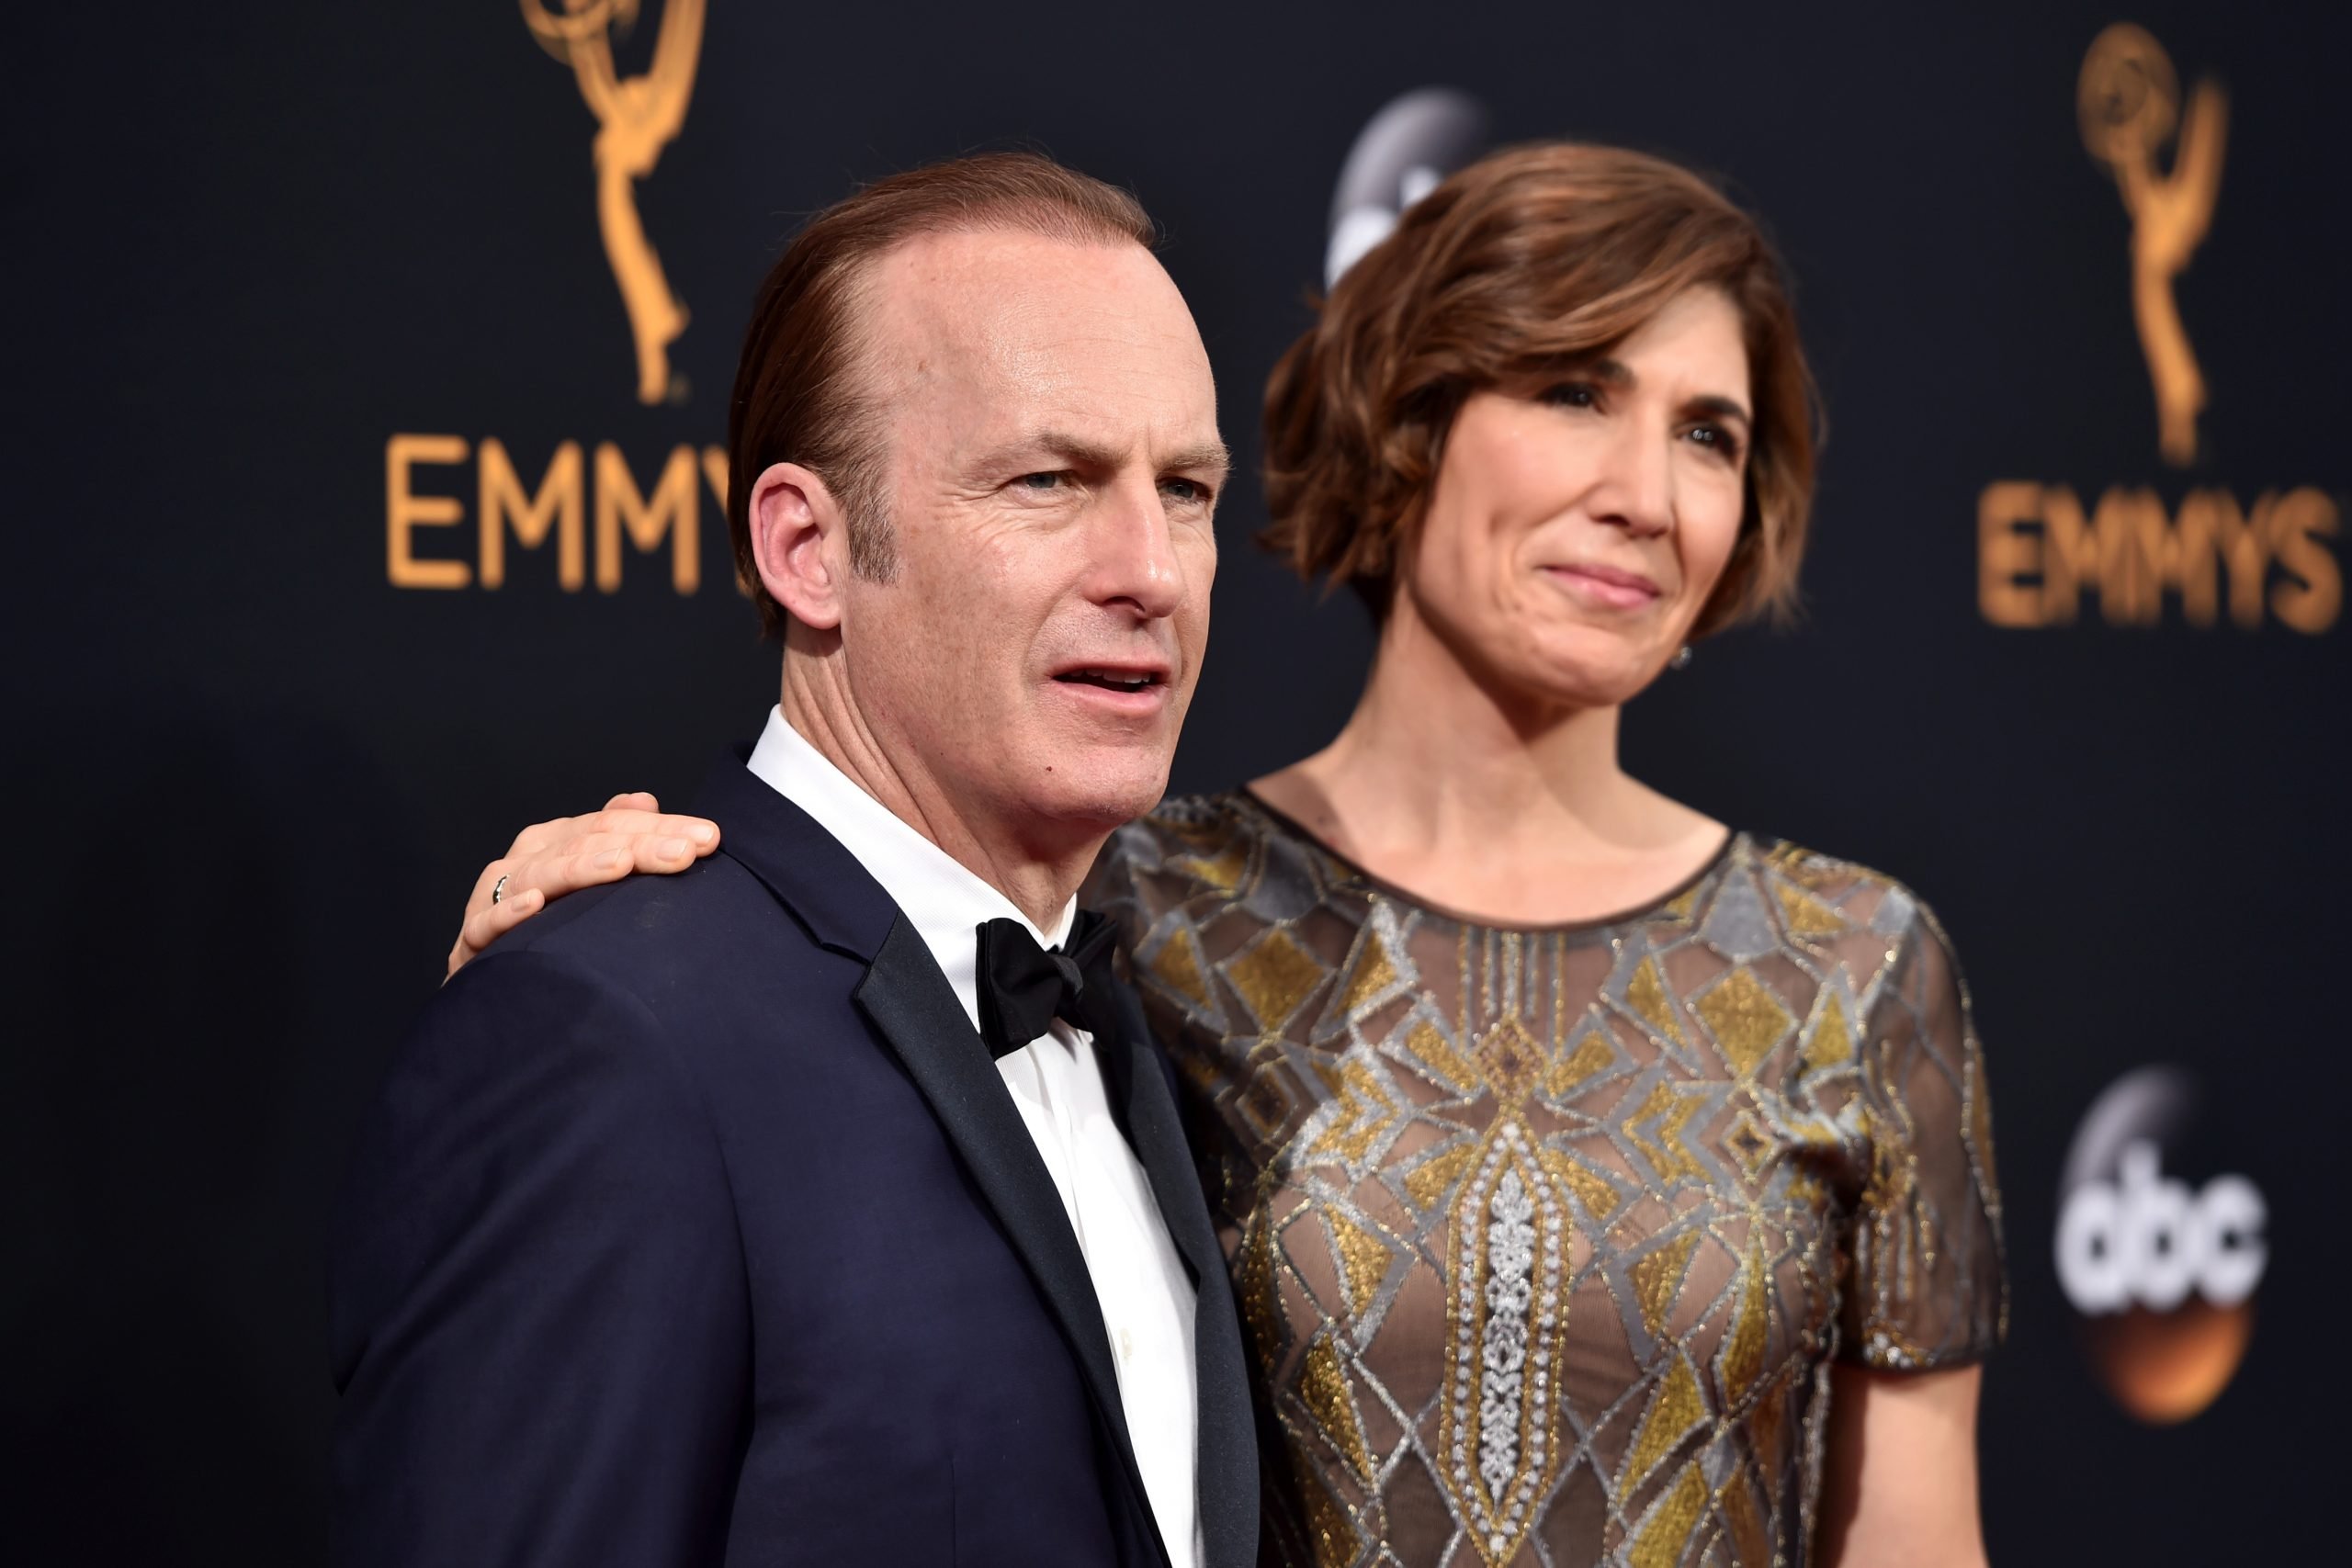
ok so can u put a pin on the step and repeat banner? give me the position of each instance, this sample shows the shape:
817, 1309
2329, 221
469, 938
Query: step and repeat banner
369, 466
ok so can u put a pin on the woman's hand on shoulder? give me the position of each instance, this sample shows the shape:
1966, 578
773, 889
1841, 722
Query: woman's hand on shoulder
548, 859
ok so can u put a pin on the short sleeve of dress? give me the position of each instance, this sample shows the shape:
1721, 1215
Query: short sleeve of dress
1925, 1287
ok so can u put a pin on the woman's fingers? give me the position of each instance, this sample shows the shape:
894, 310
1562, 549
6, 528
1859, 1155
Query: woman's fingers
697, 834
600, 860
565, 854
645, 842
491, 923
570, 835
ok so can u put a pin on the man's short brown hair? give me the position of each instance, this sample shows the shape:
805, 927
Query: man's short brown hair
1506, 274
799, 393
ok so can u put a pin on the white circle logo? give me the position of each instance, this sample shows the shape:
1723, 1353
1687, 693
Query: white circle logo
2163, 1269
1400, 157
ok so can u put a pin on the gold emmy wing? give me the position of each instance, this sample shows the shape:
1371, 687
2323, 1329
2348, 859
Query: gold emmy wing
1544, 1239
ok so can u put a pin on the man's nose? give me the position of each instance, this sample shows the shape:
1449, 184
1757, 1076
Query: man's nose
1134, 560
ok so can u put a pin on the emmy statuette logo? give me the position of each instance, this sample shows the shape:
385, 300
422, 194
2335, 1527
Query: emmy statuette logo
635, 118
2130, 103
457, 509
2207, 555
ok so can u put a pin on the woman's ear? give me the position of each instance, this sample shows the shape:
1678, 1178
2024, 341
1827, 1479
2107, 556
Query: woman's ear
800, 544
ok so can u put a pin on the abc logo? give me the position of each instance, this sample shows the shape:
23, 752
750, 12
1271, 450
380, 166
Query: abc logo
1400, 157
2151, 1240
2161, 1268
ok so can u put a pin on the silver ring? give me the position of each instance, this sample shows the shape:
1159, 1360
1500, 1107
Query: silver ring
498, 888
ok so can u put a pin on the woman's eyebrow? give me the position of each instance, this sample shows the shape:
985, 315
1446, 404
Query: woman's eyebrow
1616, 373
1723, 407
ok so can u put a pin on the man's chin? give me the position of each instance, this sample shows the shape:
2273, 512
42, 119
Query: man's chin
1100, 799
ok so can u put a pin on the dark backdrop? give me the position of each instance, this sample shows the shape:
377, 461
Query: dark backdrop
250, 779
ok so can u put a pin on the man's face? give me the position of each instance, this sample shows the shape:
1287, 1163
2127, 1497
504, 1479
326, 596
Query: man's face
1053, 463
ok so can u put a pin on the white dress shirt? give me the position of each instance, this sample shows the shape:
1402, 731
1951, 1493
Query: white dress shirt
1056, 1084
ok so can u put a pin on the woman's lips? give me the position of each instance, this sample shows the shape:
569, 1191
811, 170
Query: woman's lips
1607, 586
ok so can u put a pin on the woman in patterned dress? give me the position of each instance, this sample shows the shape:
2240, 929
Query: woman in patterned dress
1600, 1184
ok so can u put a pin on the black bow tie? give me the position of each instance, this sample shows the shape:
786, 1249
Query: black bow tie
1023, 987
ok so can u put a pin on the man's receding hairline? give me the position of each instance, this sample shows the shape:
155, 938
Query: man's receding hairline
859, 271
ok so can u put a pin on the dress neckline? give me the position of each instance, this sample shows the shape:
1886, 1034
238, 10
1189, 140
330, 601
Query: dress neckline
1642, 911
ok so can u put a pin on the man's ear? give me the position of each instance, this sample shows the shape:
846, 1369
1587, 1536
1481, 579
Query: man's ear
800, 544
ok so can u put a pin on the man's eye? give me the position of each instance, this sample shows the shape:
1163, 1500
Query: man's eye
1041, 482
1574, 395
1188, 493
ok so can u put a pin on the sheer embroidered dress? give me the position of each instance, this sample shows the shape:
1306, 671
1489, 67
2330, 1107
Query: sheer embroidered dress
1544, 1238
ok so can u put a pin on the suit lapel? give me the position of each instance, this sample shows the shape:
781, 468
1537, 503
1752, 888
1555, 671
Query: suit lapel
1227, 1456
914, 1010
909, 1002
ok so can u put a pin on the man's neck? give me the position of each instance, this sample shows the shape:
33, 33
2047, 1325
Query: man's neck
1040, 872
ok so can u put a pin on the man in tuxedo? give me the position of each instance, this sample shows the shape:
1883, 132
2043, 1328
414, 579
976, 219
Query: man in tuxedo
827, 1203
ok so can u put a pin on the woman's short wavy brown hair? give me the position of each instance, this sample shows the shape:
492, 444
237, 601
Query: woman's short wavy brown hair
1506, 274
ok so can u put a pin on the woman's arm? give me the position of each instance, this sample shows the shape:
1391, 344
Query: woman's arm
1900, 1484
548, 859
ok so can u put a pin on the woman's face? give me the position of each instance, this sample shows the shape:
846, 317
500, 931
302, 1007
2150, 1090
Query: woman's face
1574, 537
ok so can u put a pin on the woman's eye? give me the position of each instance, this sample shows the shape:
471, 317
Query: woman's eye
1716, 438
1574, 395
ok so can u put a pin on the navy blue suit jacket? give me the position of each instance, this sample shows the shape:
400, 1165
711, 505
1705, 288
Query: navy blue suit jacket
692, 1224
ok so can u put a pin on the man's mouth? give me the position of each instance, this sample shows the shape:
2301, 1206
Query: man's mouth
1113, 680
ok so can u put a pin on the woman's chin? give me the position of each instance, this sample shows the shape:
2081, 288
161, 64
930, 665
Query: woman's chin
1588, 668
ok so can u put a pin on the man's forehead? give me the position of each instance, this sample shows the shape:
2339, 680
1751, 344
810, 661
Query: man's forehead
996, 295
1031, 330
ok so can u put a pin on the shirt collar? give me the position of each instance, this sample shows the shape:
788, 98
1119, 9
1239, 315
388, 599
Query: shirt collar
940, 897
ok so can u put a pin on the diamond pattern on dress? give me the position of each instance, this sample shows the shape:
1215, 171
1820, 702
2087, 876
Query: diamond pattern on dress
1746, 1019
1687, 1154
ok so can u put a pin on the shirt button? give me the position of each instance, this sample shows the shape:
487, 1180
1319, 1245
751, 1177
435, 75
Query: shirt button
1126, 1345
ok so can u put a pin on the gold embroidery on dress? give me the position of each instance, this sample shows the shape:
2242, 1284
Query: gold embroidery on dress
1808, 915
1591, 1189
1543, 1238
1658, 1277
1427, 1044
1674, 1413
1430, 1181
1746, 1019
1372, 975
1747, 1526
1743, 1360
1592, 1056
1832, 1044
1222, 872
1671, 1524
1362, 1259
1326, 1390
1275, 977
1669, 1111
1646, 994
1179, 963
1361, 1112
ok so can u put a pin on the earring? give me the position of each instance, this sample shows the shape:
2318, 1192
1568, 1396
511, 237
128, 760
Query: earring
1682, 661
